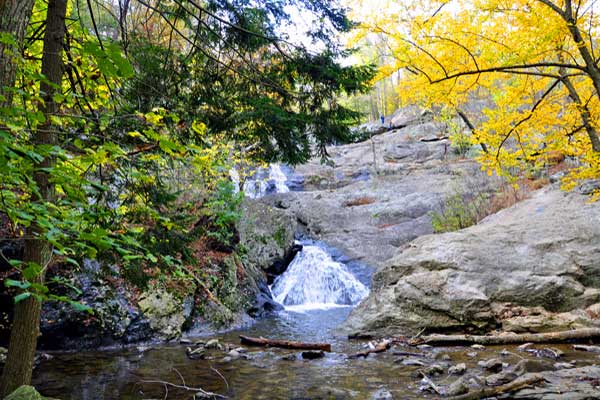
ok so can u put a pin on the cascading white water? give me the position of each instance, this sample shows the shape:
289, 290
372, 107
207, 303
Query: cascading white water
315, 281
263, 182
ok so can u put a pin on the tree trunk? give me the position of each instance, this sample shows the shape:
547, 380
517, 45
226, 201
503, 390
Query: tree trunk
14, 18
584, 111
26, 321
285, 344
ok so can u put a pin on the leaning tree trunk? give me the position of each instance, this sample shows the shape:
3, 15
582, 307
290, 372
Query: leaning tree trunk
26, 320
14, 18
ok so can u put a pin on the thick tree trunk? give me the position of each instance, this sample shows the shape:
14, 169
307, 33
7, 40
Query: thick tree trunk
26, 321
14, 18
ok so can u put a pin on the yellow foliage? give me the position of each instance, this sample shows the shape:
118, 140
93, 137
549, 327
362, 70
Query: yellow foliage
515, 58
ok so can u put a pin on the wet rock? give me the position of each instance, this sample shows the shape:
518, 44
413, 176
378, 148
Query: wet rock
492, 365
312, 355
550, 352
213, 344
478, 347
563, 365
572, 384
382, 394
411, 362
532, 366
185, 341
434, 370
457, 369
241, 350
3, 354
234, 354
442, 357
458, 387
196, 354
472, 354
290, 357
227, 359
500, 378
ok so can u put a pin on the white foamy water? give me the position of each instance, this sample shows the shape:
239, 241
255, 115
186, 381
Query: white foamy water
264, 181
315, 281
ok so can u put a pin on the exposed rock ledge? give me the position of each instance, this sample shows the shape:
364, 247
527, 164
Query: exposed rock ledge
532, 267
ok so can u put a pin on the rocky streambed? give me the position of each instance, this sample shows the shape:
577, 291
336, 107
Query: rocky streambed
533, 267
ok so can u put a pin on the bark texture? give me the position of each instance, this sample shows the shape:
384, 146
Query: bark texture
14, 17
26, 321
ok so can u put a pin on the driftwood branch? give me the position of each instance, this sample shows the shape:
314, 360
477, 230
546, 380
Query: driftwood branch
550, 337
285, 344
379, 348
517, 384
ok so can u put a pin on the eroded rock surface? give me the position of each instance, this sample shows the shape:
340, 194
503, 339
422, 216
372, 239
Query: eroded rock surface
534, 266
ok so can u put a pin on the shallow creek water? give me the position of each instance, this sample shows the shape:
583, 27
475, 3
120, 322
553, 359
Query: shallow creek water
269, 373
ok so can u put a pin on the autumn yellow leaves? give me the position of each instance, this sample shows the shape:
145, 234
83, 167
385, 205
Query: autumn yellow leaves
523, 71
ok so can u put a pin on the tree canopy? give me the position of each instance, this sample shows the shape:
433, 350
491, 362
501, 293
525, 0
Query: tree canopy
524, 73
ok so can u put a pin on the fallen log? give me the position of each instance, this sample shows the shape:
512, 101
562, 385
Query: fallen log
378, 348
517, 384
549, 337
285, 344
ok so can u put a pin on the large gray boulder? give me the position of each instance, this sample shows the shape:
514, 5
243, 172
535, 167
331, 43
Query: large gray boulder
534, 266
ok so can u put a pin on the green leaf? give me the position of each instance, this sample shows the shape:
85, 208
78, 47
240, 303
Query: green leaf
22, 296
19, 284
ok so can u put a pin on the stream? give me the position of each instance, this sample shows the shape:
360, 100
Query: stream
318, 291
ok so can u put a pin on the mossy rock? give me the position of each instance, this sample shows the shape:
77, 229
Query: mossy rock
26, 393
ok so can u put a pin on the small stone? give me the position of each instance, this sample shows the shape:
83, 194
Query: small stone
442, 357
227, 359
312, 355
478, 347
524, 346
424, 347
185, 341
500, 378
551, 352
381, 394
289, 357
472, 354
411, 362
492, 365
199, 342
234, 354
563, 365
458, 369
504, 353
458, 387
435, 369
212, 344
241, 350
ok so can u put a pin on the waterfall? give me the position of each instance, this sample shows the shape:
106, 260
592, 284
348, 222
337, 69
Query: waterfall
315, 281
263, 182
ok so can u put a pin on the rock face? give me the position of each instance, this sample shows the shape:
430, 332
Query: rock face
165, 313
376, 196
512, 270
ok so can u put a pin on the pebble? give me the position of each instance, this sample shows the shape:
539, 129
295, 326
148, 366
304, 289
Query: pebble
241, 350
492, 365
289, 357
458, 369
413, 362
472, 354
435, 369
524, 346
212, 344
563, 365
478, 347
458, 387
185, 341
233, 354
551, 352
